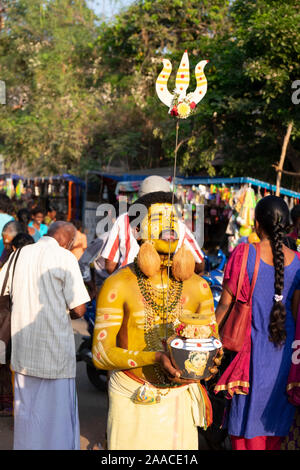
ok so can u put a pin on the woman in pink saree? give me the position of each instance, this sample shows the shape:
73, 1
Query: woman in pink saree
260, 413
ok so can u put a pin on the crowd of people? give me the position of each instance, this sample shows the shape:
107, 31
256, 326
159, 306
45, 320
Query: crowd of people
48, 269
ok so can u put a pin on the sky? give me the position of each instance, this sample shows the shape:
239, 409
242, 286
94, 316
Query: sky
107, 7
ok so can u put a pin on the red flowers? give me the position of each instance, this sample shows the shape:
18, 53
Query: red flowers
174, 111
193, 105
179, 329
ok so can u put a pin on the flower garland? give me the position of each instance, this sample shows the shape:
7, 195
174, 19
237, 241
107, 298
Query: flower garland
182, 107
196, 331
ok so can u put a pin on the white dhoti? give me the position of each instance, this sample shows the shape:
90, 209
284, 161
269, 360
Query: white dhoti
45, 414
170, 424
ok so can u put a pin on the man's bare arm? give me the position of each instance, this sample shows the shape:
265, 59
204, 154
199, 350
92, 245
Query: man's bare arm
110, 266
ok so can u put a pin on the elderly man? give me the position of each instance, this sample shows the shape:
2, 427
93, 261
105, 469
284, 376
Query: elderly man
47, 292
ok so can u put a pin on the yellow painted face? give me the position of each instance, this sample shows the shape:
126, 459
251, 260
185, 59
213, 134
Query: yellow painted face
161, 226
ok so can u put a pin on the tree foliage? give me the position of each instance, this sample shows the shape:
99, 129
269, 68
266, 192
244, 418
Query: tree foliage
47, 62
82, 93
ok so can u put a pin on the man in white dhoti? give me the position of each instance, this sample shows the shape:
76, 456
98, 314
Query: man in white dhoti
47, 292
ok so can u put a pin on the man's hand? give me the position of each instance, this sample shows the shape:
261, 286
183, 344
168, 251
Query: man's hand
78, 312
164, 360
172, 373
200, 267
110, 266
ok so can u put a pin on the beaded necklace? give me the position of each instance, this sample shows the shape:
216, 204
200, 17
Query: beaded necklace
156, 310
156, 297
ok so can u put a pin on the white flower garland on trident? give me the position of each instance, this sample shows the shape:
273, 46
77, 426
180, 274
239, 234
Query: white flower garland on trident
179, 103
182, 107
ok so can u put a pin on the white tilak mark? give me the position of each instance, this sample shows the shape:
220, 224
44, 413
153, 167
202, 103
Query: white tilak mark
111, 317
106, 325
108, 310
141, 313
99, 349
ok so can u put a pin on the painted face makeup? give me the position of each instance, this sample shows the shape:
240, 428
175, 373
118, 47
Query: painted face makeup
161, 227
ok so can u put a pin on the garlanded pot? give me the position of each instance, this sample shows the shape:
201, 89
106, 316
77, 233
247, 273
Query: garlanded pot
193, 356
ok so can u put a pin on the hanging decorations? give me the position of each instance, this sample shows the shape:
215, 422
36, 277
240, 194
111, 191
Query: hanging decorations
246, 206
9, 188
19, 189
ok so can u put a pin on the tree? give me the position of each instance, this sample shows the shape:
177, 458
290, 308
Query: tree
260, 108
130, 52
253, 49
47, 64
82, 92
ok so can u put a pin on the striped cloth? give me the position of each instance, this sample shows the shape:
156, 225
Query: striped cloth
45, 414
122, 247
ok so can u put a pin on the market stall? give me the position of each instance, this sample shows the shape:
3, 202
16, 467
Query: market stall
63, 192
110, 188
229, 205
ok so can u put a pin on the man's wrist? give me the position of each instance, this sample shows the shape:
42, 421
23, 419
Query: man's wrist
158, 356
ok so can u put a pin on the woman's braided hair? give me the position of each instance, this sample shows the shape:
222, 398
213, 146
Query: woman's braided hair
272, 214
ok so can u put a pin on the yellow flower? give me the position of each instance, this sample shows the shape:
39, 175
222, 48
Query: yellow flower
183, 110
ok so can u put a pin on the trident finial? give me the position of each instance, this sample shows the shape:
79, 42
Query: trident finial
181, 104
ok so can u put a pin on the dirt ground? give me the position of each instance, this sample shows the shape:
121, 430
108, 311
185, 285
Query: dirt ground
92, 406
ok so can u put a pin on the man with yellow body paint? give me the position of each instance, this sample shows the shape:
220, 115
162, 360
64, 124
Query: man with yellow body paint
138, 309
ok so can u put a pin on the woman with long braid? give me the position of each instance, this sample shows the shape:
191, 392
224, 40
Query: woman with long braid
260, 413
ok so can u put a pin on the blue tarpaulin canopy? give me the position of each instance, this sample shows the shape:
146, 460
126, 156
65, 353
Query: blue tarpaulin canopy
126, 179
64, 176
242, 180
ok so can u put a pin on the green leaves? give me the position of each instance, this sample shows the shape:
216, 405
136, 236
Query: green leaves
81, 94
44, 122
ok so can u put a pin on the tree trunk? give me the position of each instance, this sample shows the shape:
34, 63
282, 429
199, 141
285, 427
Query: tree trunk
282, 157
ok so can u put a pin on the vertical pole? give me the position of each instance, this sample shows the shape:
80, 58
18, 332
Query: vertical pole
173, 194
282, 157
70, 184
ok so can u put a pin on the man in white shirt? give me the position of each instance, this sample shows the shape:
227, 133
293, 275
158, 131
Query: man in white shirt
47, 292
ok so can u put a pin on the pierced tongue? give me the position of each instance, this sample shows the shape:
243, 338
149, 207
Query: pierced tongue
168, 235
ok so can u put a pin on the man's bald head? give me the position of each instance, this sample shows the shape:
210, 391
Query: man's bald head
11, 229
64, 233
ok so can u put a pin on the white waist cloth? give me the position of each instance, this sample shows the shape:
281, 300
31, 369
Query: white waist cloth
45, 414
170, 424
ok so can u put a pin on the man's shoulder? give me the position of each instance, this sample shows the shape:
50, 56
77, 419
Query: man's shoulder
196, 279
49, 249
7, 217
122, 276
